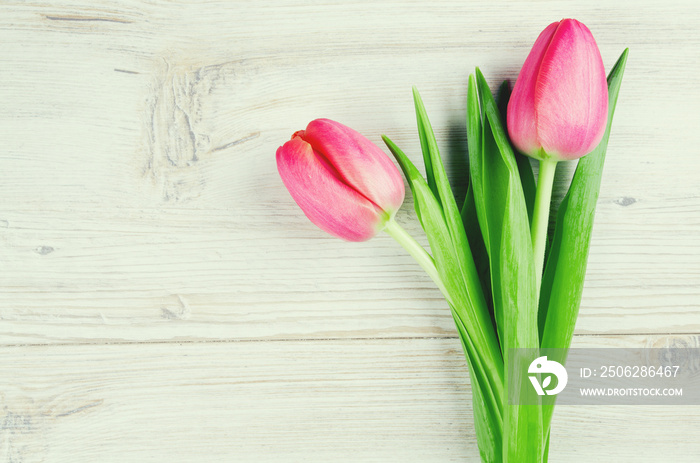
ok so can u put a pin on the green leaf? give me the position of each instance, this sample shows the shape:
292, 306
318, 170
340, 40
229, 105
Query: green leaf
453, 217
427, 142
502, 98
562, 282
502, 213
477, 233
488, 426
461, 252
476, 243
409, 171
527, 178
501, 209
447, 260
477, 335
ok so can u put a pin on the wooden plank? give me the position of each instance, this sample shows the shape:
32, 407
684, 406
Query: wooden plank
158, 275
340, 400
139, 198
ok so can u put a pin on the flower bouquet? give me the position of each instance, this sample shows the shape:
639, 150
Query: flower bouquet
487, 255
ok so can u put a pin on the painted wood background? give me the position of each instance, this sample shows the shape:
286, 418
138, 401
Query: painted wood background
163, 299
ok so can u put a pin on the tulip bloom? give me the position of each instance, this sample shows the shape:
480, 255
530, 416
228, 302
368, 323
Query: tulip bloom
559, 106
343, 182
558, 111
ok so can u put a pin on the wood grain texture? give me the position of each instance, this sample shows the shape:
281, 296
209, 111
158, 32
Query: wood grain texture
162, 297
139, 182
374, 401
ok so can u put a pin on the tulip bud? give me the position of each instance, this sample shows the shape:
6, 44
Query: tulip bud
343, 182
559, 106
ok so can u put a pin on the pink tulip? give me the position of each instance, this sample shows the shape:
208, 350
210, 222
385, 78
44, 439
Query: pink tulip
343, 182
559, 106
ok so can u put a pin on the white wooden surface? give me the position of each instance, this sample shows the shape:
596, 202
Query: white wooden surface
163, 299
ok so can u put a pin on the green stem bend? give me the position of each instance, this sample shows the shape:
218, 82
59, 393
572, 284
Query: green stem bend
416, 251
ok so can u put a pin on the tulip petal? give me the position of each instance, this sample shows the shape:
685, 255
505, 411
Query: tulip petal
521, 116
328, 202
362, 164
571, 94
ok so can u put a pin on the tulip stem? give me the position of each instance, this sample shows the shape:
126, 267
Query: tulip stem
540, 216
416, 251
